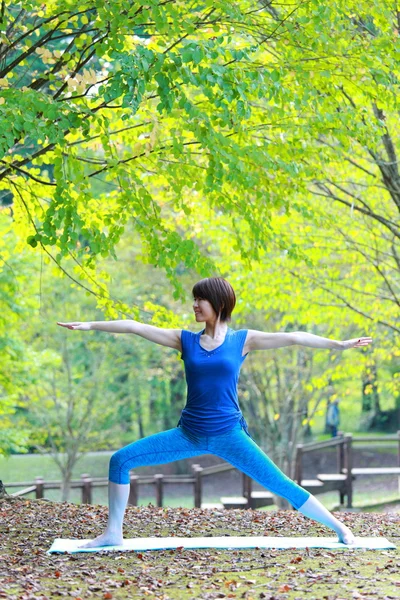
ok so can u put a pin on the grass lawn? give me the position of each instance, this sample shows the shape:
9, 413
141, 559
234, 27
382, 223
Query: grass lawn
28, 527
25, 467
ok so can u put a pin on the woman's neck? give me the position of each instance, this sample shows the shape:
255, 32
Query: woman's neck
216, 331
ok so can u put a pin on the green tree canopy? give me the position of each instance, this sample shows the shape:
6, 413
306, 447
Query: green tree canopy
165, 102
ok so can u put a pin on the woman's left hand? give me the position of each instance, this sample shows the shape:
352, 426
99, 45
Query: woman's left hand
356, 343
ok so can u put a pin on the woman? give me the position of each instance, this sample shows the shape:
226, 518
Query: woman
211, 422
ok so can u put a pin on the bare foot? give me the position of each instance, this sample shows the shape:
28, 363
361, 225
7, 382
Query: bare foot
105, 539
345, 536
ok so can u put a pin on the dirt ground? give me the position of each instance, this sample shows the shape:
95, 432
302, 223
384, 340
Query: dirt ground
27, 572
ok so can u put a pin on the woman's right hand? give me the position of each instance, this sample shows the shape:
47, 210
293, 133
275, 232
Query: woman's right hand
76, 325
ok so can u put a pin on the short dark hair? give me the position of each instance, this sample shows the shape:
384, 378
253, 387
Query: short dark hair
219, 293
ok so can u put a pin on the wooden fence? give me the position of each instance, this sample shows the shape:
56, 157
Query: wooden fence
344, 460
87, 483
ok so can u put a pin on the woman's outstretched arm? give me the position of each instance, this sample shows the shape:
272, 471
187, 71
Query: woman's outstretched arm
260, 340
158, 335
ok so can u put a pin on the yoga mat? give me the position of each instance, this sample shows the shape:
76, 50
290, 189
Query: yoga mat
167, 543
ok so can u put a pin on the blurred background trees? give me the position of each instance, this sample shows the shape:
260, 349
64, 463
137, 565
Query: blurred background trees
147, 145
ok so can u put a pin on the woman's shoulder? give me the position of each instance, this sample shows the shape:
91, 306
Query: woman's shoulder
239, 333
187, 335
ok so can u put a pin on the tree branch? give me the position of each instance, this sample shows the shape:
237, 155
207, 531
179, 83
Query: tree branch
393, 227
346, 303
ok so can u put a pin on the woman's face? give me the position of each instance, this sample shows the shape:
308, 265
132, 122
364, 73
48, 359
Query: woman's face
203, 310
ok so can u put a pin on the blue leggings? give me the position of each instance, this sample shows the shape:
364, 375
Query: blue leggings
236, 447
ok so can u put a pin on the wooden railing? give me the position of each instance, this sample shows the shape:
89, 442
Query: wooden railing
87, 484
344, 458
200, 472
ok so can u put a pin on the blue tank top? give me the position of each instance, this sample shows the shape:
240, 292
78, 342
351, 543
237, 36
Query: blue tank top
212, 405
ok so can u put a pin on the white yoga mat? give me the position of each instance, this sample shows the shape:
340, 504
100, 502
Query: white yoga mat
167, 543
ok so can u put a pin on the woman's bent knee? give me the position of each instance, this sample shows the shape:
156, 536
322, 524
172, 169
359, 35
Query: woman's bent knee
117, 473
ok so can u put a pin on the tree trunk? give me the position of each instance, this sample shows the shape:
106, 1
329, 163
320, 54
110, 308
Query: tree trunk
282, 503
370, 396
66, 486
139, 415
